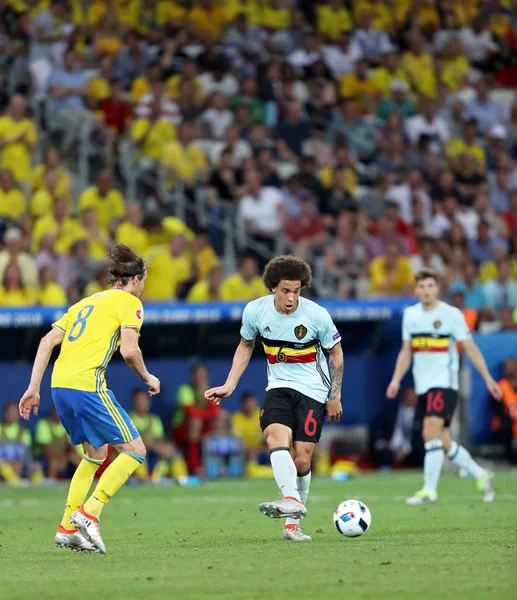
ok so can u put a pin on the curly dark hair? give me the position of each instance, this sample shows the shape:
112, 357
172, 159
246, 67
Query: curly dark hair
289, 268
124, 264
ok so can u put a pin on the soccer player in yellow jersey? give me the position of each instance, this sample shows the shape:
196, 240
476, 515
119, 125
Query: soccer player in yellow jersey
89, 334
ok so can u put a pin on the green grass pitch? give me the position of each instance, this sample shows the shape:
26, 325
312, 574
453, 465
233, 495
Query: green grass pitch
212, 542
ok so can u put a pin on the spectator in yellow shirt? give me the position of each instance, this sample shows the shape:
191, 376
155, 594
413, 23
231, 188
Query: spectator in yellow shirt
96, 235
123, 10
245, 285
390, 71
143, 85
183, 157
42, 201
17, 139
108, 202
343, 171
167, 271
208, 19
382, 17
333, 20
50, 292
251, 8
246, 425
14, 253
391, 274
12, 291
152, 134
456, 146
456, 66
203, 256
51, 162
99, 87
209, 289
171, 13
107, 37
419, 67
189, 73
273, 16
12, 201
130, 232
66, 229
361, 87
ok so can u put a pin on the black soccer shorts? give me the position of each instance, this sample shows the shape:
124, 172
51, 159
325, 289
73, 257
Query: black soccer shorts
439, 402
289, 407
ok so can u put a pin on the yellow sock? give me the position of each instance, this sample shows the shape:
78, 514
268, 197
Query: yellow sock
179, 467
113, 478
8, 473
79, 487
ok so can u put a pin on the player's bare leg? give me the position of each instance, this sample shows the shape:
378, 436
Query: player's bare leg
462, 458
279, 438
433, 462
302, 456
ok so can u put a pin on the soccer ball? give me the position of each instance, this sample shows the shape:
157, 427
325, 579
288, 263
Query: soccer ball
352, 518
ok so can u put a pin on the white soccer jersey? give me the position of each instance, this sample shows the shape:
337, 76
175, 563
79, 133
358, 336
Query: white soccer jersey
432, 334
293, 344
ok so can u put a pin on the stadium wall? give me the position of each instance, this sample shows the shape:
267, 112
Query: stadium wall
363, 393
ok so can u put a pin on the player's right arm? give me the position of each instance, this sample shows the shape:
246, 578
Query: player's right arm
131, 353
403, 360
401, 368
241, 358
30, 400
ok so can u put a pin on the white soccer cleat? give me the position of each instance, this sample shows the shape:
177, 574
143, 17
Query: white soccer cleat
423, 497
295, 534
281, 509
89, 527
72, 539
486, 485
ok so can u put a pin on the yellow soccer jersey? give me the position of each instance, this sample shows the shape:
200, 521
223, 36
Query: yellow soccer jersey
92, 334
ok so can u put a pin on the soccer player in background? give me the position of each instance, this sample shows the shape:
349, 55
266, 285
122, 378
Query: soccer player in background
293, 331
429, 332
89, 334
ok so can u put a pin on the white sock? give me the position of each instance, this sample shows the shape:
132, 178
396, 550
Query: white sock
461, 457
433, 463
304, 482
284, 471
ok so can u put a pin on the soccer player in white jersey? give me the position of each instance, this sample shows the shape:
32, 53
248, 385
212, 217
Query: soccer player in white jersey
294, 331
430, 330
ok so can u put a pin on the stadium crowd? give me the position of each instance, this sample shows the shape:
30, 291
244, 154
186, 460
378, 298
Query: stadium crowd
371, 138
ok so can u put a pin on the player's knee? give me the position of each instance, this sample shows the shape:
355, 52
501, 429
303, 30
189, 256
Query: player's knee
135, 446
140, 448
302, 462
96, 453
430, 432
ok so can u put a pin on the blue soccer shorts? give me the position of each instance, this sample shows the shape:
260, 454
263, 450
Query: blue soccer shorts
93, 417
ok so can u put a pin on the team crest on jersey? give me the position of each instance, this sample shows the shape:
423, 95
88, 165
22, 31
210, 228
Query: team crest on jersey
300, 331
437, 324
138, 314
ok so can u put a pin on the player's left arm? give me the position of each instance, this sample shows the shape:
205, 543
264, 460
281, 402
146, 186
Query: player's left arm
334, 408
30, 400
474, 353
330, 339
